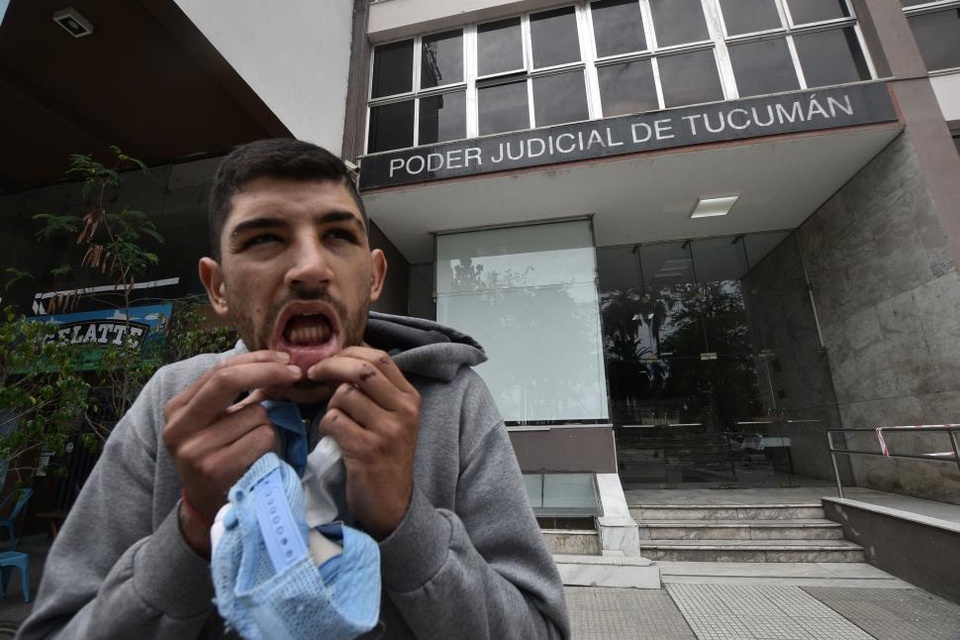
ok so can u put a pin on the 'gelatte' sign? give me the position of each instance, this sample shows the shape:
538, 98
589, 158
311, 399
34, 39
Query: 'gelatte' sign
733, 120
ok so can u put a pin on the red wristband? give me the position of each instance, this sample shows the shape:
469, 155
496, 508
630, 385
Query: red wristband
192, 510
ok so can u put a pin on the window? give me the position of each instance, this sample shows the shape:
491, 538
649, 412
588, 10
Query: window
607, 58
522, 292
786, 45
936, 27
426, 107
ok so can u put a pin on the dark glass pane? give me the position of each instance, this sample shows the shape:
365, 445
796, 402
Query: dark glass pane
910, 3
831, 57
763, 67
749, 16
618, 27
392, 69
499, 47
391, 126
441, 61
443, 118
559, 98
678, 22
553, 35
938, 36
627, 88
806, 11
689, 78
503, 108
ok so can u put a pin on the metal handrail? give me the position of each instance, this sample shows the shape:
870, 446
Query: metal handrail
946, 456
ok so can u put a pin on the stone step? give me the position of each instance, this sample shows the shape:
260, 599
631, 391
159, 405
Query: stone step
752, 551
644, 513
577, 542
801, 529
858, 575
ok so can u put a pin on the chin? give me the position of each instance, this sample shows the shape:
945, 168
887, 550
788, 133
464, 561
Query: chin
309, 391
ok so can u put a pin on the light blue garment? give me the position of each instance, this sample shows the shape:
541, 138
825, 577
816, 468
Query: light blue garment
267, 584
285, 417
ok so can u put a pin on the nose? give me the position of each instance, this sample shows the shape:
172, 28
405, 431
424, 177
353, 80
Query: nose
309, 265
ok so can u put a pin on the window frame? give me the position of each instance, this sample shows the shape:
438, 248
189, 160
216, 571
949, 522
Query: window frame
933, 6
590, 62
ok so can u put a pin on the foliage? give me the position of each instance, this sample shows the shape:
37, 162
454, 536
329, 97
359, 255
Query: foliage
191, 332
110, 243
42, 397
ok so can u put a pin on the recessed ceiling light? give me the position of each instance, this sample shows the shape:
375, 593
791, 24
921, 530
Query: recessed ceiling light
74, 23
709, 207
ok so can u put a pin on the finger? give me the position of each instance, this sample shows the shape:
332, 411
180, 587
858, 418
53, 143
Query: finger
371, 371
354, 441
188, 393
225, 383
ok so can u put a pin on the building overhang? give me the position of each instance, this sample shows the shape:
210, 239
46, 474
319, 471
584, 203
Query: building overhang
145, 79
637, 193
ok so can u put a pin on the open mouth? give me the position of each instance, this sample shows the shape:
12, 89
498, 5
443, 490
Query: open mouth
309, 333
307, 330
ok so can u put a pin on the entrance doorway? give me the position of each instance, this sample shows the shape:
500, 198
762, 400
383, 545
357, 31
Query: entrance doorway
714, 364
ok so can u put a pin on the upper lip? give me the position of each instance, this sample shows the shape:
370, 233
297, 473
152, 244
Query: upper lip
304, 308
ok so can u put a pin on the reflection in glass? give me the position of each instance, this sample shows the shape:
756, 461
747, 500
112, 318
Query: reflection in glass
627, 88
391, 126
560, 98
617, 27
831, 57
938, 36
443, 118
806, 11
689, 78
749, 16
528, 296
678, 22
441, 60
503, 107
392, 69
763, 67
553, 35
499, 47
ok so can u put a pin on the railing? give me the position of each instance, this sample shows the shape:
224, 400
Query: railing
941, 456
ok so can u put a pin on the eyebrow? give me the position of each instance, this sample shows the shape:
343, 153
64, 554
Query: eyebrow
273, 222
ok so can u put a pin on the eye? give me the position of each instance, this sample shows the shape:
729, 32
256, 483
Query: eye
259, 239
341, 235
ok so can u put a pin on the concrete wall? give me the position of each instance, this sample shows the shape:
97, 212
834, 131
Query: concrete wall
795, 378
887, 293
306, 84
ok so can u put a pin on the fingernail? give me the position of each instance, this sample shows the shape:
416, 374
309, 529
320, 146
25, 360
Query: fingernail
282, 356
295, 369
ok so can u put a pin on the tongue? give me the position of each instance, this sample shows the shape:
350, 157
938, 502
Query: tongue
307, 330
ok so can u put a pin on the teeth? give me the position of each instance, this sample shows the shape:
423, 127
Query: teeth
308, 333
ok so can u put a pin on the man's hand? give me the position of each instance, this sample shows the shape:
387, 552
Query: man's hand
374, 415
213, 439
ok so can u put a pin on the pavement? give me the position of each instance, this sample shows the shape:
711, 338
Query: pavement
711, 601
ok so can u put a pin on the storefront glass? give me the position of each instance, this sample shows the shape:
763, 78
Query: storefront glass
714, 364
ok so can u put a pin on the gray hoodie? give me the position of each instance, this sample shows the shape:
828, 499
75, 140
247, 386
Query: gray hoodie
467, 561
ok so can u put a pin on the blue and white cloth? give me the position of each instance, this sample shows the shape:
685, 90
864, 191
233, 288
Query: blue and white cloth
268, 583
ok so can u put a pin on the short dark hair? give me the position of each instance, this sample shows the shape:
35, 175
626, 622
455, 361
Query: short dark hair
276, 158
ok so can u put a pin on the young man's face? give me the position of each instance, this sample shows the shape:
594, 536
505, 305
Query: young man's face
296, 272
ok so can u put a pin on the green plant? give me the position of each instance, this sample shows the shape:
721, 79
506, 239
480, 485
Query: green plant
43, 397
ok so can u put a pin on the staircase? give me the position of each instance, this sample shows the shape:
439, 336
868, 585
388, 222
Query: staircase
741, 533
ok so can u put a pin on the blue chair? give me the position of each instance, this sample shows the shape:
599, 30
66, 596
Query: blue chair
9, 560
21, 496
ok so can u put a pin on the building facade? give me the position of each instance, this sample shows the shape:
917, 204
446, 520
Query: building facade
693, 235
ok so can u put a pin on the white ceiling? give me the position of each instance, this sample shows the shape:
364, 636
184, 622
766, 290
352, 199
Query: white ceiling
640, 198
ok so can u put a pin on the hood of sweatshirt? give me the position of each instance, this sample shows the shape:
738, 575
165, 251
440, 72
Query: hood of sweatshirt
423, 347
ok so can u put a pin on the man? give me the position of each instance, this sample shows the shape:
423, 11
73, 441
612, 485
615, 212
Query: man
430, 473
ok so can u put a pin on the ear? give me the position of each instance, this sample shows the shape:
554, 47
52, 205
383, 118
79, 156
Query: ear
378, 273
212, 278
